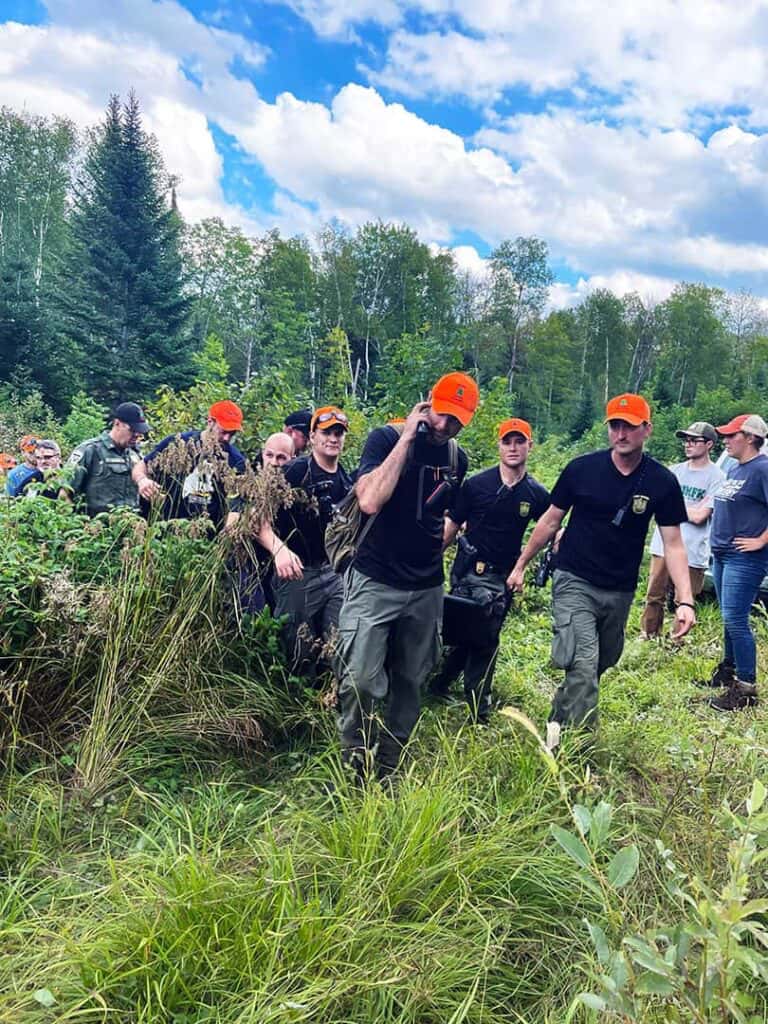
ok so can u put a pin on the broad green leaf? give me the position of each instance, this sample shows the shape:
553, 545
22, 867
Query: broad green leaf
650, 984
756, 797
601, 824
623, 866
582, 817
594, 1002
572, 845
45, 997
599, 941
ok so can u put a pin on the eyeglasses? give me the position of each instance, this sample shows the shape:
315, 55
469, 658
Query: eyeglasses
326, 417
695, 440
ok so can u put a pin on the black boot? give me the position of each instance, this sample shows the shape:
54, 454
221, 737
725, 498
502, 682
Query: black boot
739, 695
723, 675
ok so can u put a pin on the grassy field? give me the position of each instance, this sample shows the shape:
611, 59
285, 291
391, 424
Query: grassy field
493, 886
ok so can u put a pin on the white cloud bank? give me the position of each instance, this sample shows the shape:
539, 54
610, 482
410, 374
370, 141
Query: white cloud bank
618, 201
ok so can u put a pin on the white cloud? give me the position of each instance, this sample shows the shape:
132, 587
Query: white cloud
662, 61
179, 67
649, 287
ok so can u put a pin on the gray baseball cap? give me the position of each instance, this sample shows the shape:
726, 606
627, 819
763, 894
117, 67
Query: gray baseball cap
699, 429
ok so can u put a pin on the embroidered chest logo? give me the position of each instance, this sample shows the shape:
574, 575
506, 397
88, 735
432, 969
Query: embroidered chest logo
524, 508
640, 503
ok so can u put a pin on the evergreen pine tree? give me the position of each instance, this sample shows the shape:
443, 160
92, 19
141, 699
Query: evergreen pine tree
124, 302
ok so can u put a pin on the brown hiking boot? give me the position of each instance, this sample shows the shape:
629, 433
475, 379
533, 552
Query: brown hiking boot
738, 696
723, 675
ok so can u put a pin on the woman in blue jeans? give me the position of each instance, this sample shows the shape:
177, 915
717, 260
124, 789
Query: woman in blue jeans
739, 542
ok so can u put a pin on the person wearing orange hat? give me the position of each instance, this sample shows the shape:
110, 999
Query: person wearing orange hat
21, 473
611, 495
308, 593
495, 508
739, 541
194, 471
389, 625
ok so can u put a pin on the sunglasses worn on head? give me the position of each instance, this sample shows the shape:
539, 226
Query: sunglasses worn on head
326, 417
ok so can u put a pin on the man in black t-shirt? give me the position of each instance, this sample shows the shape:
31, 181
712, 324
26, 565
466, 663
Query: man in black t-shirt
495, 507
390, 619
307, 590
612, 496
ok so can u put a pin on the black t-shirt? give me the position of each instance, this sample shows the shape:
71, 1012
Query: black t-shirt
497, 515
403, 548
302, 526
595, 549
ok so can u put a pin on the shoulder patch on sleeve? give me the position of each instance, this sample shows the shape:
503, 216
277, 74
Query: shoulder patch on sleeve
75, 457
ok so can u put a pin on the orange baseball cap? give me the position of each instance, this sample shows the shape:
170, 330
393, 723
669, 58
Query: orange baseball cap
7, 461
228, 415
631, 408
28, 443
328, 416
456, 394
515, 426
749, 422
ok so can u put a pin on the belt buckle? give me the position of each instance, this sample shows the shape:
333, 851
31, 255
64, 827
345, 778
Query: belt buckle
479, 568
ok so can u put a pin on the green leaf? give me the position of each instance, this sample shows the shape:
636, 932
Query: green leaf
650, 984
756, 797
45, 997
572, 845
582, 817
599, 941
623, 866
594, 1002
601, 824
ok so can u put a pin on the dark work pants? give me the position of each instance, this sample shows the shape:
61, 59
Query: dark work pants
476, 660
312, 606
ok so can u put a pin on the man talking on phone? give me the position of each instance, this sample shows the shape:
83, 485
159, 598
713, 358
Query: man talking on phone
389, 623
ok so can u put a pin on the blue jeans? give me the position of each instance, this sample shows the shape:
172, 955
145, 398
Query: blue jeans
737, 576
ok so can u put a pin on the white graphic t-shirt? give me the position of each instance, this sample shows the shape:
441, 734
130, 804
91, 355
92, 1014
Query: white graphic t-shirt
698, 487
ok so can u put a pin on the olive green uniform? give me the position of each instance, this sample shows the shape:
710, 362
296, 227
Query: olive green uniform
101, 473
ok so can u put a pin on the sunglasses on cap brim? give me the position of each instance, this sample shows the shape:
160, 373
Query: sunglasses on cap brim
328, 417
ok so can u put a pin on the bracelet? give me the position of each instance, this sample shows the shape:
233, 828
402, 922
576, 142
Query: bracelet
685, 604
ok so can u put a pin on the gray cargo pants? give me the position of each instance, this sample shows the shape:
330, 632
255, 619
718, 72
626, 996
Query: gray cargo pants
588, 638
312, 606
388, 644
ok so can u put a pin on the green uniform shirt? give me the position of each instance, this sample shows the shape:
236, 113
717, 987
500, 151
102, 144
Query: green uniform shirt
102, 474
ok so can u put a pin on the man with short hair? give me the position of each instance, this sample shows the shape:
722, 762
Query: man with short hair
196, 470
278, 450
495, 507
22, 473
699, 478
297, 426
307, 590
101, 466
389, 624
611, 495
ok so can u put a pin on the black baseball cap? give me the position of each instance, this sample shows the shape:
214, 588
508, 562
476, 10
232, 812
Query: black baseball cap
299, 420
133, 415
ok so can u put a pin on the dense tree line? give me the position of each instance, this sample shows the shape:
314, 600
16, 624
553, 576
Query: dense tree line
104, 290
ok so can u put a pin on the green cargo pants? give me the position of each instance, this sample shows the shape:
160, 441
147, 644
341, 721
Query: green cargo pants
312, 606
388, 644
588, 638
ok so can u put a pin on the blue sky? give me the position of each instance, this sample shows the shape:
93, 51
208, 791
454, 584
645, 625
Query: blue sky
631, 139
